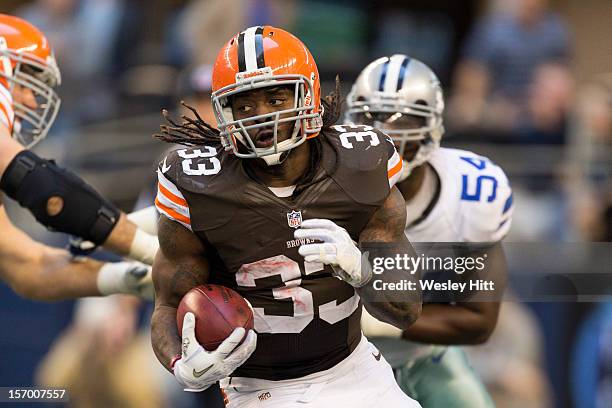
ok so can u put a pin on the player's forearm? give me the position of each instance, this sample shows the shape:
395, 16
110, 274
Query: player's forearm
452, 324
171, 282
385, 231
39, 272
120, 239
164, 334
398, 309
129, 240
55, 276
399, 314
179, 266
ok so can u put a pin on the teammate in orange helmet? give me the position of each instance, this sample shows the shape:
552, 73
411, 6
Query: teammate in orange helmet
272, 205
28, 106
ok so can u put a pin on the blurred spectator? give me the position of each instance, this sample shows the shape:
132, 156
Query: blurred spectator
100, 361
511, 365
195, 86
513, 78
427, 36
590, 169
205, 25
83, 34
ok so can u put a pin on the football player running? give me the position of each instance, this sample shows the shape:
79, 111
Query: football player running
451, 196
28, 106
272, 205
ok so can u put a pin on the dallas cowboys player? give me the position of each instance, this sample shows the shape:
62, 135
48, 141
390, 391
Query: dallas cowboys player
451, 196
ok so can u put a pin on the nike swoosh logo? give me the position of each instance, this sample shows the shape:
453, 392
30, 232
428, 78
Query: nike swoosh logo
377, 356
198, 374
165, 168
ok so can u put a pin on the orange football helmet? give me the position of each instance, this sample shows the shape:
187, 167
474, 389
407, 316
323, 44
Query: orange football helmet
26, 60
261, 57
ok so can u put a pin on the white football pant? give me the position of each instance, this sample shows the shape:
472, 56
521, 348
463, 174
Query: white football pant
362, 380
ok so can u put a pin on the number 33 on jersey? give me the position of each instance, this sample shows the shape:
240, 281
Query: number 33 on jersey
307, 320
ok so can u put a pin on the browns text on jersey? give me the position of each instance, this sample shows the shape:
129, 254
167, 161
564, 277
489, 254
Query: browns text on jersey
307, 320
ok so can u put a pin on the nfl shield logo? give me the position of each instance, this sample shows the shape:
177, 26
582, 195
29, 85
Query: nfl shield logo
294, 219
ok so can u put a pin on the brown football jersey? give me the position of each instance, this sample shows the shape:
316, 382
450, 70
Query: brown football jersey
306, 319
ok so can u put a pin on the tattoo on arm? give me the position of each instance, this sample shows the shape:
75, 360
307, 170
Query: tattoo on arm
387, 226
184, 279
179, 266
388, 222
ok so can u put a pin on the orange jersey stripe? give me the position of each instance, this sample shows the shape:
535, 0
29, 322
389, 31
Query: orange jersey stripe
172, 213
171, 196
395, 169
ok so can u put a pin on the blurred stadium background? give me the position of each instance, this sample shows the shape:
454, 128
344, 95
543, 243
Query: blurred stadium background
528, 83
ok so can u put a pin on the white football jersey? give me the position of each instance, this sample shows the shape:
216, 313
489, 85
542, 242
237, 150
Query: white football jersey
475, 201
474, 205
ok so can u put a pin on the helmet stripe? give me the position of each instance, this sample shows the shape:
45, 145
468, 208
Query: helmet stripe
402, 73
383, 76
241, 59
259, 48
250, 48
393, 72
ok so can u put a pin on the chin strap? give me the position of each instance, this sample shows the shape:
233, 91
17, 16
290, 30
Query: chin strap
277, 158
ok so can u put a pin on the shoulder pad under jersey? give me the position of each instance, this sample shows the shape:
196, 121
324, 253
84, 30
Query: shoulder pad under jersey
368, 164
188, 177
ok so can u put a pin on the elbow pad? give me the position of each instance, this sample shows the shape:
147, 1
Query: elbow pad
59, 199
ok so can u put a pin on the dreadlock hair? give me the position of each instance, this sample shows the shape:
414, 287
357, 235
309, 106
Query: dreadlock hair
192, 132
332, 103
196, 132
332, 108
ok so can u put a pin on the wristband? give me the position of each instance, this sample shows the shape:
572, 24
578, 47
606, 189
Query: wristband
145, 219
144, 247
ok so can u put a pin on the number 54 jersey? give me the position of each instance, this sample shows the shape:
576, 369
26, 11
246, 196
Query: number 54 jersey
474, 204
307, 320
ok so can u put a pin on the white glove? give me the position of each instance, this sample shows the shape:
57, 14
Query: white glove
198, 369
133, 278
337, 250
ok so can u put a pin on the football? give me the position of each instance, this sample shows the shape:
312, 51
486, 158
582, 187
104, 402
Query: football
218, 311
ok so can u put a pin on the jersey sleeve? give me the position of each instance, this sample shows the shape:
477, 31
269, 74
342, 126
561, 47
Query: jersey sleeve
506, 218
489, 218
169, 200
394, 164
